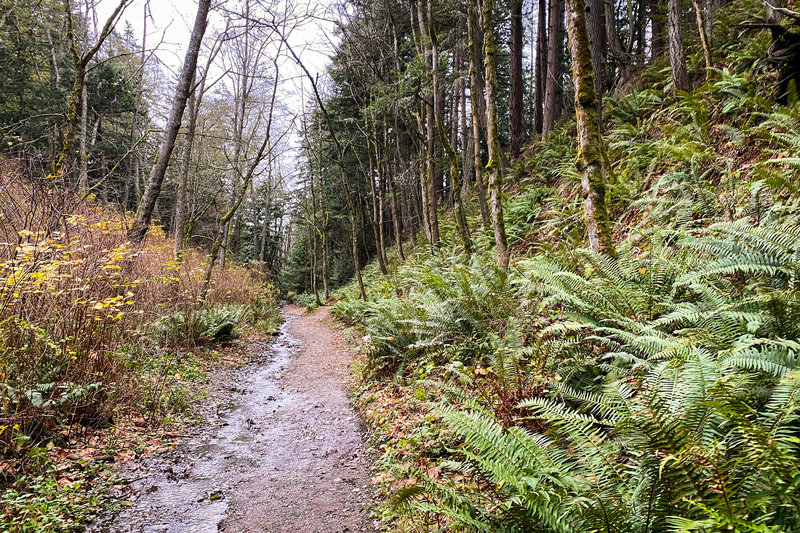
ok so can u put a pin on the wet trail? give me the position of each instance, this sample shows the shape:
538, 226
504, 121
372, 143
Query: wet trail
280, 450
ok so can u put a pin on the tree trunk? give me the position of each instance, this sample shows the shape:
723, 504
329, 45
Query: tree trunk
622, 54
221, 237
541, 67
493, 136
516, 104
677, 55
324, 224
326, 292
455, 108
656, 29
477, 102
314, 230
466, 167
393, 203
396, 211
70, 129
134, 167
423, 184
703, 28
595, 16
144, 215
553, 91
179, 240
590, 141
353, 235
83, 160
460, 216
377, 223
314, 266
431, 111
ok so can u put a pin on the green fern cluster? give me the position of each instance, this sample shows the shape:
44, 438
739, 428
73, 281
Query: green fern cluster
450, 313
208, 325
676, 401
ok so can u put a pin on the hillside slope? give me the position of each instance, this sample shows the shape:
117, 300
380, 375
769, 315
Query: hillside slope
657, 391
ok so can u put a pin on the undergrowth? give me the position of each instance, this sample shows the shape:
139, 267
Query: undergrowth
99, 342
657, 391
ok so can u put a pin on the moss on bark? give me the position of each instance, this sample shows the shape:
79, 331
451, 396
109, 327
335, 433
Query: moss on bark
591, 147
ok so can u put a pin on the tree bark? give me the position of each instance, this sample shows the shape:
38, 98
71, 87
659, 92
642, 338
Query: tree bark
622, 54
394, 206
83, 160
595, 16
466, 167
396, 160
144, 215
460, 216
133, 169
377, 223
431, 111
423, 183
195, 101
493, 137
590, 140
553, 91
477, 102
541, 66
677, 55
516, 104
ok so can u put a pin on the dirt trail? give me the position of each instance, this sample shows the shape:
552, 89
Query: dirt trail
281, 449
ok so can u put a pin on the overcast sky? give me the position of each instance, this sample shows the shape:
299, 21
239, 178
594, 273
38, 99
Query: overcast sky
169, 28
172, 20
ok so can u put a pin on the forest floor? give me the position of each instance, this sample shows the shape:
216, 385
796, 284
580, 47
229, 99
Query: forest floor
280, 448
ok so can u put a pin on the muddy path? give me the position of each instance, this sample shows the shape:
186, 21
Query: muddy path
280, 449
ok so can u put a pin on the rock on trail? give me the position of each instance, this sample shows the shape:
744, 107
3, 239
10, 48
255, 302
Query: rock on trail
280, 450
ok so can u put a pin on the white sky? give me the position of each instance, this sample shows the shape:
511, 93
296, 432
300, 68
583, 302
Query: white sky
172, 22
170, 25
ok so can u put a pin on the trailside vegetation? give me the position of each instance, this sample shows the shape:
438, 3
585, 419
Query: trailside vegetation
633, 366
112, 313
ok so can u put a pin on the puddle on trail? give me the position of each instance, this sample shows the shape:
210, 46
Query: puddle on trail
188, 489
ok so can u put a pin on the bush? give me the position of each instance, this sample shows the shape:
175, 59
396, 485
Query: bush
77, 302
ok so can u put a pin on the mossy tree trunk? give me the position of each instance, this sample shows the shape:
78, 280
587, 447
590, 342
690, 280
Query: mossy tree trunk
460, 216
476, 94
591, 146
80, 63
430, 135
494, 167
